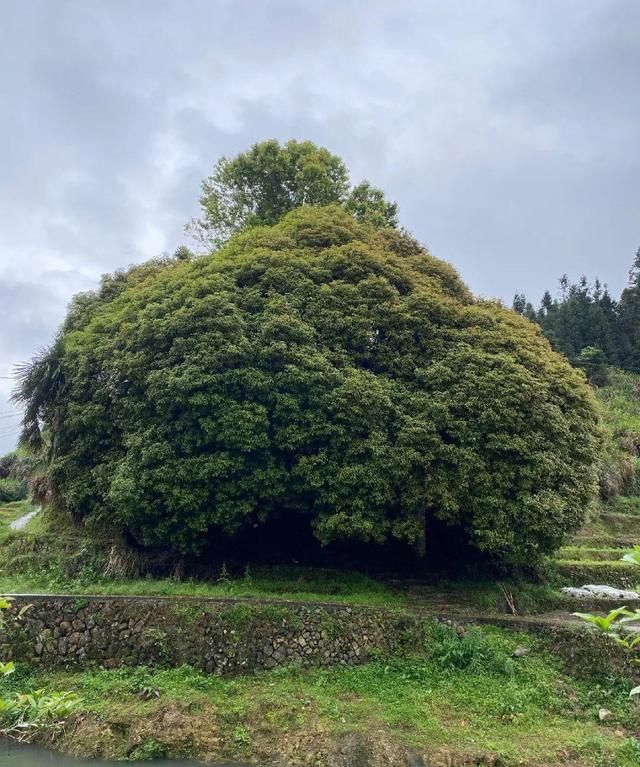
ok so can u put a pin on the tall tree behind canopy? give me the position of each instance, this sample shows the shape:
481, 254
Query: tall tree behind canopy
261, 185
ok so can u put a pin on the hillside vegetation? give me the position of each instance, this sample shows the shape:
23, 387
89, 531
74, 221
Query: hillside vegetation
620, 478
594, 554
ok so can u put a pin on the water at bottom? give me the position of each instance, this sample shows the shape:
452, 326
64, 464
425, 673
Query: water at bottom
16, 755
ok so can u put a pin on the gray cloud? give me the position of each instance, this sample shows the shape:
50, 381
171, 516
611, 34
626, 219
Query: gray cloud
507, 131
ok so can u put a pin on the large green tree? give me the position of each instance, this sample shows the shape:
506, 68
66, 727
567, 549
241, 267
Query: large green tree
321, 367
261, 185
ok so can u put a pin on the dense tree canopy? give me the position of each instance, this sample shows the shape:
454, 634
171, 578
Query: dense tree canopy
261, 185
321, 367
629, 313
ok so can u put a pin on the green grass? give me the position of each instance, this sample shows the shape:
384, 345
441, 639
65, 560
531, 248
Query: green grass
308, 586
626, 504
591, 554
453, 696
611, 530
580, 572
616, 523
621, 405
53, 555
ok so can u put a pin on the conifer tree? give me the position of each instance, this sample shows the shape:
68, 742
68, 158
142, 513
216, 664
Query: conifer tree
629, 312
585, 316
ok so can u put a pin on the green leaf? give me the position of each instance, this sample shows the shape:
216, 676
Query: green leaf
7, 668
632, 556
604, 623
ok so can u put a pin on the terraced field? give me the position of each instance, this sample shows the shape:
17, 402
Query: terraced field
595, 554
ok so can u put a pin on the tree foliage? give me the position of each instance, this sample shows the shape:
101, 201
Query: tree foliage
320, 367
629, 313
594, 363
261, 185
585, 316
14, 470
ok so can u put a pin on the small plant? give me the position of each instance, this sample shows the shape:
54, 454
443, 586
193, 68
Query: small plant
471, 651
613, 623
607, 622
241, 736
148, 751
633, 556
224, 579
5, 668
148, 693
23, 713
156, 637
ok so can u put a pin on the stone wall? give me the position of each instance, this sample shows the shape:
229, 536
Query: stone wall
215, 635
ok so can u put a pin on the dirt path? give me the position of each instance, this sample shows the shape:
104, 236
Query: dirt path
22, 522
451, 606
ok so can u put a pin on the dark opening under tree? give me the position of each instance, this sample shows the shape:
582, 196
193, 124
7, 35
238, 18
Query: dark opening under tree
320, 367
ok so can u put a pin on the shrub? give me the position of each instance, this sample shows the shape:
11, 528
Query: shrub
473, 651
321, 368
12, 490
22, 713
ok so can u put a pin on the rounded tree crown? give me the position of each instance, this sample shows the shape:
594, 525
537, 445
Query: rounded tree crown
324, 368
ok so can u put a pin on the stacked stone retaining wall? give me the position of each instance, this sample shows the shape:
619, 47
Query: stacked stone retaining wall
219, 636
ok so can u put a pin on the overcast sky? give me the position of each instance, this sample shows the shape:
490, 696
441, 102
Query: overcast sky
508, 132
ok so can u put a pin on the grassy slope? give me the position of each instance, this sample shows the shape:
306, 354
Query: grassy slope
452, 700
318, 586
621, 403
595, 553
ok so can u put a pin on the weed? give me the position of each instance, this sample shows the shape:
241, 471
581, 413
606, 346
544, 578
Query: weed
149, 750
241, 736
